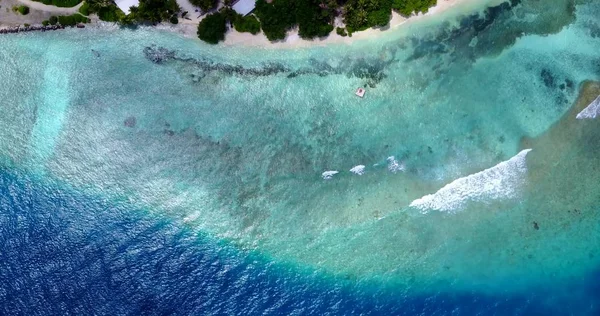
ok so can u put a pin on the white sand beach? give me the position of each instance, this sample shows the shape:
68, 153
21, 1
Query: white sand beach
293, 40
38, 12
188, 27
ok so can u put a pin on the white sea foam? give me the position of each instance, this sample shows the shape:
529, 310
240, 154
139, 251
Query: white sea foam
329, 174
502, 181
359, 170
591, 111
393, 164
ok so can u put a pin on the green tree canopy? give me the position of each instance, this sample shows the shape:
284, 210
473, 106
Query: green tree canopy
23, 9
212, 28
407, 7
313, 18
247, 23
205, 5
155, 11
276, 18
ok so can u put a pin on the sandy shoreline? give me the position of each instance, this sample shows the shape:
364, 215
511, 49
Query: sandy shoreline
188, 28
38, 12
293, 40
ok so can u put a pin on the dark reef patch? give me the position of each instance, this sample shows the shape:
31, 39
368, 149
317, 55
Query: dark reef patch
569, 83
491, 14
457, 38
130, 122
423, 48
158, 55
495, 29
547, 78
369, 69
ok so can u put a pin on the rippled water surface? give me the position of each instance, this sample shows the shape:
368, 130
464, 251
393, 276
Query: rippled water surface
143, 172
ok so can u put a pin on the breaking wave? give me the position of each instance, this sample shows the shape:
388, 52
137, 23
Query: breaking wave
329, 174
359, 170
591, 111
501, 181
393, 165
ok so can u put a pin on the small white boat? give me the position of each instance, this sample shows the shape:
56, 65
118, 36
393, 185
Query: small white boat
360, 92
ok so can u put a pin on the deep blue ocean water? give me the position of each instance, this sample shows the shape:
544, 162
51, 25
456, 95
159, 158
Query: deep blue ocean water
62, 252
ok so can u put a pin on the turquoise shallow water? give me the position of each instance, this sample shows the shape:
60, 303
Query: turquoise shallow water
233, 142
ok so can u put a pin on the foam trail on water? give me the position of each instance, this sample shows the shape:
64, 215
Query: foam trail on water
359, 170
393, 164
329, 174
501, 181
591, 111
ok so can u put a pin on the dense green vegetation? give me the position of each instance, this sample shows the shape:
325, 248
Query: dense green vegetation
106, 10
314, 18
148, 11
407, 7
72, 20
110, 14
205, 5
212, 28
67, 20
154, 11
60, 3
276, 18
248, 24
22, 9
85, 9
363, 14
341, 31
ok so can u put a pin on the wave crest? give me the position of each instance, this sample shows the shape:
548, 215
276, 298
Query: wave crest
393, 164
501, 181
329, 174
591, 111
359, 170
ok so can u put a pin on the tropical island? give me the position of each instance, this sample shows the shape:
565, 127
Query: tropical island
313, 18
275, 18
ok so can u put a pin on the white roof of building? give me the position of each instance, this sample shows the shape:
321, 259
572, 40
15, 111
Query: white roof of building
244, 7
124, 5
